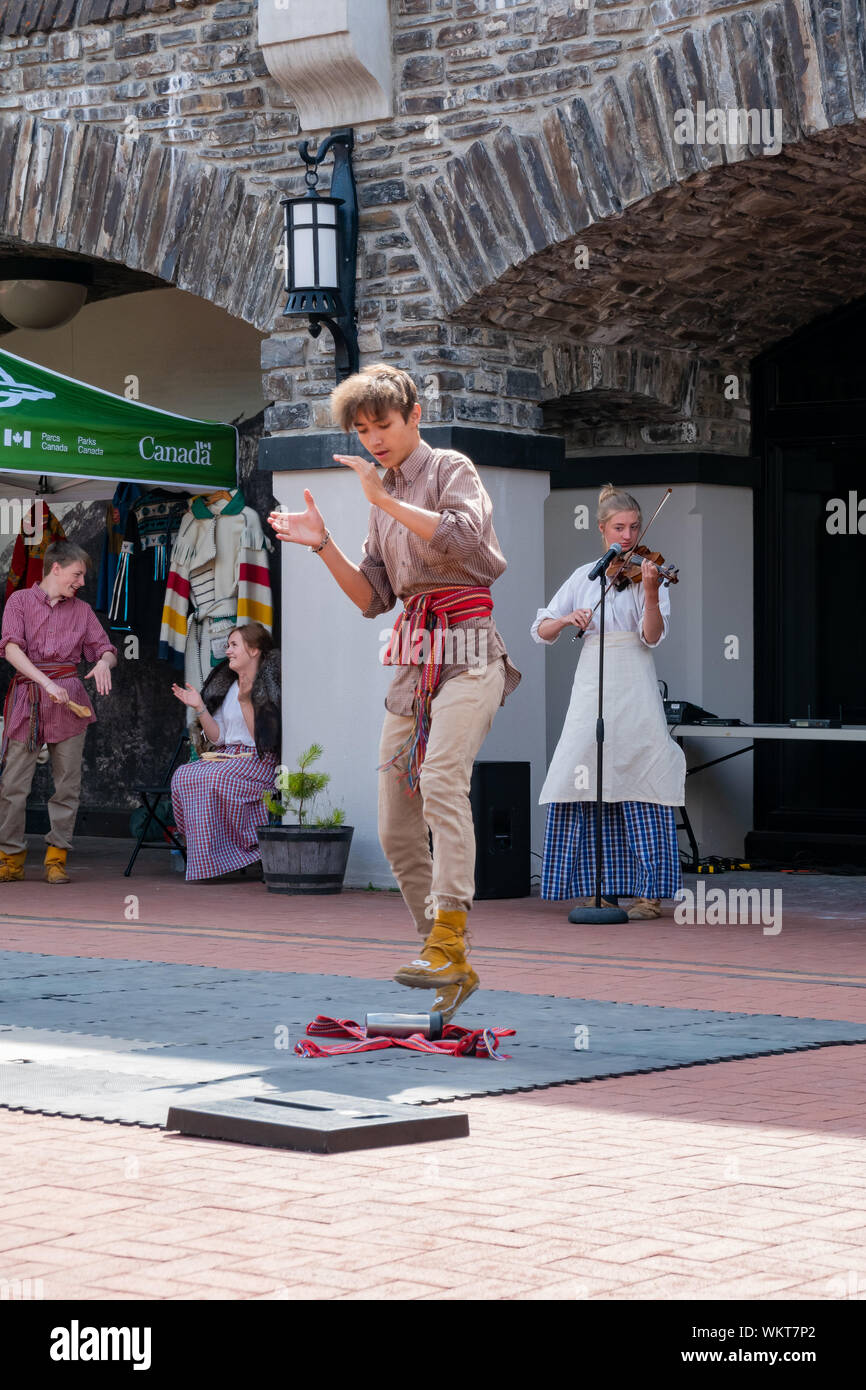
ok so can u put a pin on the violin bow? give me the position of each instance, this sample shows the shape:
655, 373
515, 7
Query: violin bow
622, 559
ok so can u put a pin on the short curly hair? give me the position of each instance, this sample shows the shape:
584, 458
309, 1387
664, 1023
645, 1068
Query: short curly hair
374, 391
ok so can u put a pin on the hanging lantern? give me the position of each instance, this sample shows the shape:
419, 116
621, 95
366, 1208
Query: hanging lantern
320, 251
312, 241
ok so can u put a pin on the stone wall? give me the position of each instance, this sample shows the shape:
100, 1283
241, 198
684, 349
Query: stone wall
525, 131
40, 16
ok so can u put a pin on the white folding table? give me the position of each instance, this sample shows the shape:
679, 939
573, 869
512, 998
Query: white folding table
849, 733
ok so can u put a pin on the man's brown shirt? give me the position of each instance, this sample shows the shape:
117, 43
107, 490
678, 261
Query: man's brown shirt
463, 551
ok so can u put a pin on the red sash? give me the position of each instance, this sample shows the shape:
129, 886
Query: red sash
433, 612
455, 1041
54, 670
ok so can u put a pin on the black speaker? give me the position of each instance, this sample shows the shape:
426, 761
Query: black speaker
499, 794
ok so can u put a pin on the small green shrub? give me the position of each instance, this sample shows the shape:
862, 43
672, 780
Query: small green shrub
296, 791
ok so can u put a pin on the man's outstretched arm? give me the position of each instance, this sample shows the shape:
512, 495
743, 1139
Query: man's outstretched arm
308, 528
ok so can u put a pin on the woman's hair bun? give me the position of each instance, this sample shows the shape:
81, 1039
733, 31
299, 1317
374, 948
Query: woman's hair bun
613, 499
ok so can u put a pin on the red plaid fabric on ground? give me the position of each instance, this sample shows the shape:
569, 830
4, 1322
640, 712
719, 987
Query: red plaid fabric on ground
455, 1041
217, 807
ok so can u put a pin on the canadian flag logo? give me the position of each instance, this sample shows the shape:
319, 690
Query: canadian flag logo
19, 437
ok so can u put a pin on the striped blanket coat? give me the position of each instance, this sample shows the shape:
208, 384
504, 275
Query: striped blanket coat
219, 577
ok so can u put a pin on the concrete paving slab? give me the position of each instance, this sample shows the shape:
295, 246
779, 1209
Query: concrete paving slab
316, 1122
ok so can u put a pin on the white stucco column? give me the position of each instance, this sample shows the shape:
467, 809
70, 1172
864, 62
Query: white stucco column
518, 733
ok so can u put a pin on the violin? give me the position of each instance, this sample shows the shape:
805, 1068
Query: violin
630, 571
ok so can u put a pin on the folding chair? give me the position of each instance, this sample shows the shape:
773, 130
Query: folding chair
150, 798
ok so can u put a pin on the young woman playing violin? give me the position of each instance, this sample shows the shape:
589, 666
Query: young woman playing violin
644, 769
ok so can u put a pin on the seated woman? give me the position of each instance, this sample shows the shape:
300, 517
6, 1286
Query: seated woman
218, 805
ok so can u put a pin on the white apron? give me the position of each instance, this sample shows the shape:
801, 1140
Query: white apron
641, 760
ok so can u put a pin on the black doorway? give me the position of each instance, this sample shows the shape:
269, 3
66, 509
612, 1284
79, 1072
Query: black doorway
810, 627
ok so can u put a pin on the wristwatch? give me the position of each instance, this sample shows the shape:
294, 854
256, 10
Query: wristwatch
314, 549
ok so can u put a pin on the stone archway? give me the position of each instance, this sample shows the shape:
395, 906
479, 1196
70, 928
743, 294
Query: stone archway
140, 202
677, 236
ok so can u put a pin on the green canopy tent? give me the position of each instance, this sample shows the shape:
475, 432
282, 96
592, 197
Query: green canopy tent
81, 441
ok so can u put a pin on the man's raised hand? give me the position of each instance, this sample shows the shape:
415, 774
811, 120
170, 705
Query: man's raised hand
301, 528
368, 473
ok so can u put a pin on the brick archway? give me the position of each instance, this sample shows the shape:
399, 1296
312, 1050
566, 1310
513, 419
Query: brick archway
660, 221
145, 204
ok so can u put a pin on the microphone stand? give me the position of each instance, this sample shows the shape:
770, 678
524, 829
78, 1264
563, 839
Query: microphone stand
598, 915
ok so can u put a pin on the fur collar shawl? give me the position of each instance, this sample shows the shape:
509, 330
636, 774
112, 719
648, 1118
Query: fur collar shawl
265, 698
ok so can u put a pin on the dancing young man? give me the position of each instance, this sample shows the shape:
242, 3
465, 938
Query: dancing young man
47, 631
431, 544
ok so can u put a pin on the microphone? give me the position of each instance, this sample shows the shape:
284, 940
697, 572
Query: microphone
601, 565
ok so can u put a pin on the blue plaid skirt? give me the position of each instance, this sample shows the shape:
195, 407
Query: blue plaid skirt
640, 859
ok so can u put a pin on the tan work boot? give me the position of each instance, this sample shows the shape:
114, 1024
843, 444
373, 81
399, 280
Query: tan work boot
55, 865
450, 997
12, 866
442, 960
644, 909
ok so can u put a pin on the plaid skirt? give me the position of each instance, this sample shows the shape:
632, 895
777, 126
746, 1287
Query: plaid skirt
217, 807
640, 854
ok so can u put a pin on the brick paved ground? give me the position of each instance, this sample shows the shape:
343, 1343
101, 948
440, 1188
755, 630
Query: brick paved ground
743, 1179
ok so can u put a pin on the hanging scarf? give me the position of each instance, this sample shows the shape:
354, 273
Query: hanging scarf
455, 1041
433, 612
54, 670
125, 495
158, 516
118, 614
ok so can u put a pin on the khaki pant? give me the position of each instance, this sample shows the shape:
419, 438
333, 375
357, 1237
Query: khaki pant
15, 788
461, 715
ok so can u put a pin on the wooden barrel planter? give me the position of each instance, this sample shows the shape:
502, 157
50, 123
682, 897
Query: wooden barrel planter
304, 859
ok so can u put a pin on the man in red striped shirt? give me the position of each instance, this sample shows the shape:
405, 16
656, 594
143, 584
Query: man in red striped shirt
430, 544
47, 631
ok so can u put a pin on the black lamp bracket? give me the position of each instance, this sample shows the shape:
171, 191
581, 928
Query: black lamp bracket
346, 359
344, 330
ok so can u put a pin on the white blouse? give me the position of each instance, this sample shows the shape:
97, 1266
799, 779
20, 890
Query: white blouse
623, 609
230, 720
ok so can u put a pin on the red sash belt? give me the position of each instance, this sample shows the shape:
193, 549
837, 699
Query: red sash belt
54, 670
455, 1041
433, 612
